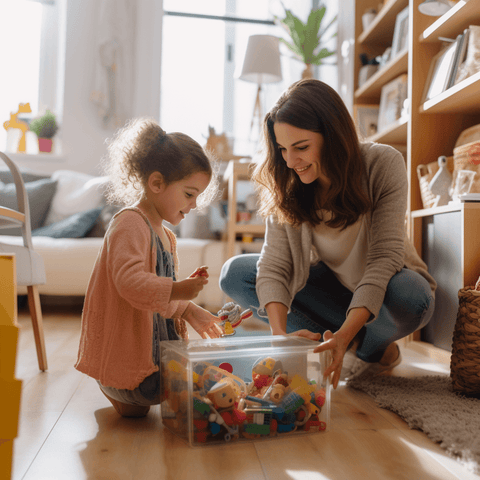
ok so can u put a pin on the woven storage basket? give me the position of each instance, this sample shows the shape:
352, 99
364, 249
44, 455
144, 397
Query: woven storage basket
465, 360
425, 174
467, 157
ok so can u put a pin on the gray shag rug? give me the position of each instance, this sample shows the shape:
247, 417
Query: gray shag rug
429, 404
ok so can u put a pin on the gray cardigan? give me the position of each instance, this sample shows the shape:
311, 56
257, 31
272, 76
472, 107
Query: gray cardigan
288, 253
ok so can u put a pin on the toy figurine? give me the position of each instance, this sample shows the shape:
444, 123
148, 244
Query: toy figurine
440, 183
200, 272
232, 316
225, 408
14, 122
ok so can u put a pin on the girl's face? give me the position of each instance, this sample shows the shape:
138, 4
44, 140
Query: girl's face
172, 202
302, 152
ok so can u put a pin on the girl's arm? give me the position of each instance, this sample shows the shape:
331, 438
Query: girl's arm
202, 321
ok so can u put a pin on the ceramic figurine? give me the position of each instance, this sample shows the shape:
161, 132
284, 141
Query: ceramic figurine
440, 183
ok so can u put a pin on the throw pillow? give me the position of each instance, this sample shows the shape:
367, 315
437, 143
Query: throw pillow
103, 220
76, 193
74, 226
40, 194
28, 176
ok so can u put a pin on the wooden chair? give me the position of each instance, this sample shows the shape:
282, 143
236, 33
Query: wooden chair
29, 264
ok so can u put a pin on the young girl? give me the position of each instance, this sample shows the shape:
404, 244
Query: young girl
133, 299
335, 257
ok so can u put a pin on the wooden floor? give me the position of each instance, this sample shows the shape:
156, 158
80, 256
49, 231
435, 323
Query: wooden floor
69, 431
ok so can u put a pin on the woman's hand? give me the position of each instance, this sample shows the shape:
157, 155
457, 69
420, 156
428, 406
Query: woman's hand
202, 321
338, 346
277, 317
306, 334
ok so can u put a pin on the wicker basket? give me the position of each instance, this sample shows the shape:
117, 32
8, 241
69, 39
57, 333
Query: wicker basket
425, 174
465, 360
467, 157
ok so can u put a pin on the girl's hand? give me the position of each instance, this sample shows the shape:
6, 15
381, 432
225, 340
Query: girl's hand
200, 272
202, 321
188, 289
336, 344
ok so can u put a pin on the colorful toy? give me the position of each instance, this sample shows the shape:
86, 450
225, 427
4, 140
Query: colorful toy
200, 272
232, 316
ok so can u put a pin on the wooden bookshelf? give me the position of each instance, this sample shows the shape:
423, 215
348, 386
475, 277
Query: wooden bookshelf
429, 130
237, 170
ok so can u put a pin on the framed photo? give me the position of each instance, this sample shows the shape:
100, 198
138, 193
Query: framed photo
392, 98
439, 72
366, 120
460, 55
400, 33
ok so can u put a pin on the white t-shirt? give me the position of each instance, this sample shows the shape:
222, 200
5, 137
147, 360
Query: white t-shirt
343, 251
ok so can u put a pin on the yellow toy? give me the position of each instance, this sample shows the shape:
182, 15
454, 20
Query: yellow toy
15, 123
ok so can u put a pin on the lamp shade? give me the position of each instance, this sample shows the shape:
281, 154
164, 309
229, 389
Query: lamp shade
435, 8
262, 60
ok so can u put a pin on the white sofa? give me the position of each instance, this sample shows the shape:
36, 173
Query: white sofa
69, 261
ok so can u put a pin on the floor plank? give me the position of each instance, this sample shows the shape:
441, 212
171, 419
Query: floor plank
68, 430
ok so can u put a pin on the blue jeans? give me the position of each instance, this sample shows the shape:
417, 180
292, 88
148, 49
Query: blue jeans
322, 304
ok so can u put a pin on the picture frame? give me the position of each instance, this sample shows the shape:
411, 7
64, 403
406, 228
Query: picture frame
366, 120
460, 55
392, 97
439, 72
400, 33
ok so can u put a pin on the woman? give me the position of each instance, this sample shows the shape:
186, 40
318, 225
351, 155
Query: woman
335, 256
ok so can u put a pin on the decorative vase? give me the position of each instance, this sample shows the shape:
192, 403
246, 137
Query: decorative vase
307, 72
45, 145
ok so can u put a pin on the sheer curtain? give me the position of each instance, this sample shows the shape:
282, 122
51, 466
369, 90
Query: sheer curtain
114, 79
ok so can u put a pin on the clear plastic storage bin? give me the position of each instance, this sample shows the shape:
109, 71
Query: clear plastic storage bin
237, 389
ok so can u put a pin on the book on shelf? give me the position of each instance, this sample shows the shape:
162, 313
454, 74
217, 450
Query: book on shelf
458, 56
470, 197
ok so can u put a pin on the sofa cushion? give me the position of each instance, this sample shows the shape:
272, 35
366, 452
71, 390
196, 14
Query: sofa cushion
103, 220
74, 226
76, 192
40, 194
27, 175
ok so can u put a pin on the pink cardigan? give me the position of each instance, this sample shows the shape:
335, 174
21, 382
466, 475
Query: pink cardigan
122, 295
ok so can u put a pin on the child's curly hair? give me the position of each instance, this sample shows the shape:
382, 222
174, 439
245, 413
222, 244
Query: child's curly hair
142, 147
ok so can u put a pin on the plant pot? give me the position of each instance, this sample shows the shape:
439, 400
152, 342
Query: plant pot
307, 72
45, 145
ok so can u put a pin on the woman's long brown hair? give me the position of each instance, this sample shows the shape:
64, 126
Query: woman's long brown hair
313, 105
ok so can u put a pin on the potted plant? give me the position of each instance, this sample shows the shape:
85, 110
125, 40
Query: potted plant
45, 127
306, 38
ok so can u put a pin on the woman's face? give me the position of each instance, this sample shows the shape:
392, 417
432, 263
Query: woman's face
302, 152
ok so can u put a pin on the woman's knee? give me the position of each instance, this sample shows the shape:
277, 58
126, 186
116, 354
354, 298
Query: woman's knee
237, 272
410, 295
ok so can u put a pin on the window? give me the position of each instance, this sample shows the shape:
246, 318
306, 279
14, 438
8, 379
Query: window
201, 57
29, 35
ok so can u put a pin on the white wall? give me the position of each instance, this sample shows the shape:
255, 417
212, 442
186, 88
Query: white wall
83, 137
82, 134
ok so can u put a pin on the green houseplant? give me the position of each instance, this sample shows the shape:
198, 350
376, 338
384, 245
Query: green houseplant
45, 127
307, 38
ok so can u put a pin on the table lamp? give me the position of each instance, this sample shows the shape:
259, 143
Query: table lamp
261, 65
